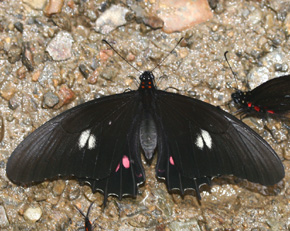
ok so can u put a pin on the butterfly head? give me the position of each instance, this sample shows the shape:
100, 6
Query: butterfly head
239, 97
147, 80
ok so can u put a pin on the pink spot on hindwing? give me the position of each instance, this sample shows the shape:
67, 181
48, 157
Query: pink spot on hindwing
171, 160
139, 175
126, 162
117, 169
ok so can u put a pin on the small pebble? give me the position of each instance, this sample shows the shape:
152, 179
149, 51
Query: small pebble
53, 7
109, 73
66, 94
84, 21
19, 26
84, 70
105, 54
103, 6
111, 19
21, 72
13, 103
287, 24
62, 20
35, 76
50, 100
35, 4
2, 130
60, 46
269, 21
184, 225
183, 14
49, 71
93, 78
3, 217
74, 194
58, 187
8, 89
33, 214
278, 67
130, 57
27, 57
284, 67
14, 54
154, 22
255, 16
213, 4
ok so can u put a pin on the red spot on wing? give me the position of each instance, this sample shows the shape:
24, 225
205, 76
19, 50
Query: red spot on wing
249, 104
257, 108
117, 169
270, 111
126, 162
139, 175
171, 160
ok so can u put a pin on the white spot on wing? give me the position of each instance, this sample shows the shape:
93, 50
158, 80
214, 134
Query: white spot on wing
207, 138
199, 142
92, 142
84, 138
203, 138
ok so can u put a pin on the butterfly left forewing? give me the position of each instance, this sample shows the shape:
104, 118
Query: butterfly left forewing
199, 141
95, 142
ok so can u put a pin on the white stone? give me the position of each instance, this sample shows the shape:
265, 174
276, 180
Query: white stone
111, 19
3, 217
33, 214
60, 46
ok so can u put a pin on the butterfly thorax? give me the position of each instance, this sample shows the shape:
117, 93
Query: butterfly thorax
147, 81
240, 97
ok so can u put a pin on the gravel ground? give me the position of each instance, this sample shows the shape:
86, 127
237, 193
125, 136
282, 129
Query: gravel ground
37, 82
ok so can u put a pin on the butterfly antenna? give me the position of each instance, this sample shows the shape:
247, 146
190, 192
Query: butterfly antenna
81, 212
234, 74
158, 65
105, 41
90, 207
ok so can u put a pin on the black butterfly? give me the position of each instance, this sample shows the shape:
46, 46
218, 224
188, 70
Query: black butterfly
99, 142
88, 223
271, 98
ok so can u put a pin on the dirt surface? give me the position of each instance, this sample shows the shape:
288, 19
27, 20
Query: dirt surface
34, 90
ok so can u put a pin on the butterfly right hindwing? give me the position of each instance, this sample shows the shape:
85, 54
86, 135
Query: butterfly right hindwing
202, 141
